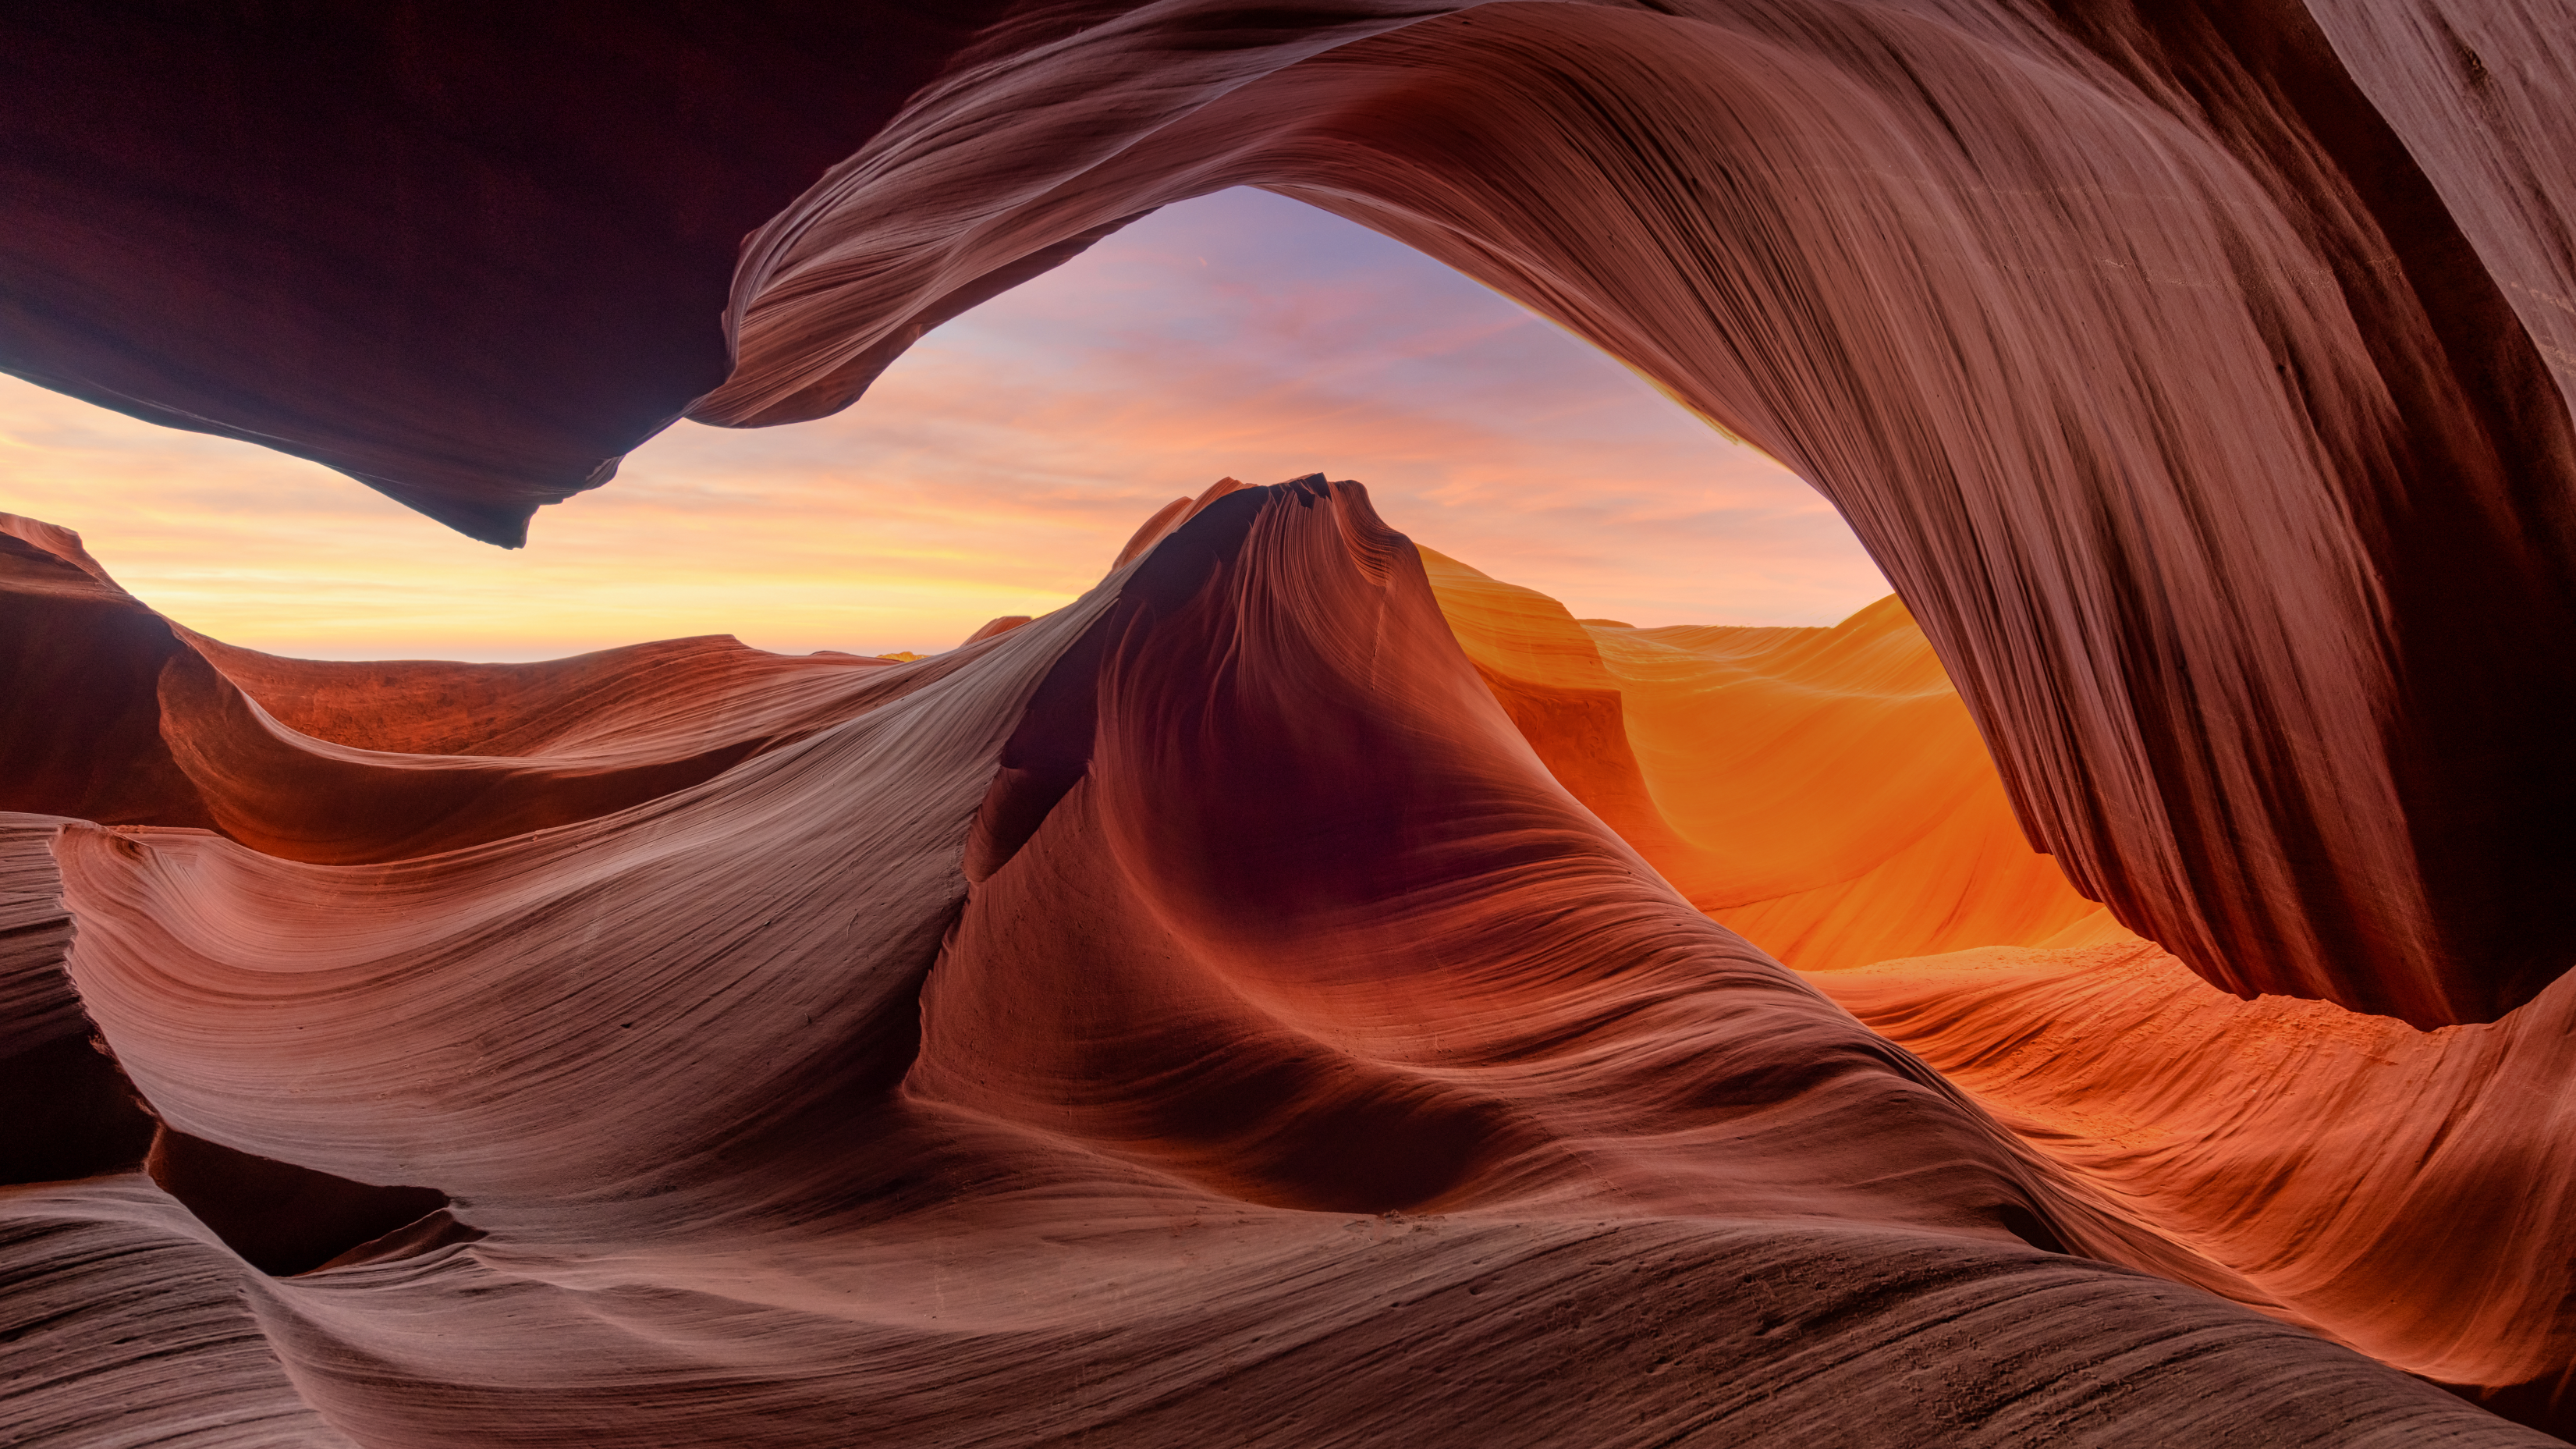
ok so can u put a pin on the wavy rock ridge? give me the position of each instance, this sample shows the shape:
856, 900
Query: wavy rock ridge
1199, 1015
2407, 1190
2194, 370
1277, 997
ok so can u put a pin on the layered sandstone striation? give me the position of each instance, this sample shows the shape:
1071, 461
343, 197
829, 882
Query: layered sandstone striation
1822, 791
1200, 1015
2194, 370
1819, 791
1306, 990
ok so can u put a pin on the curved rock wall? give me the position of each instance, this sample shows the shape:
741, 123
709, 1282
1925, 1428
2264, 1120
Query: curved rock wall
2135, 346
1175, 1018
1200, 1015
2187, 367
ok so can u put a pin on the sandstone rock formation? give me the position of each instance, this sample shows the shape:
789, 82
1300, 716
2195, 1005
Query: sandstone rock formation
1199, 1015
2188, 367
1289, 995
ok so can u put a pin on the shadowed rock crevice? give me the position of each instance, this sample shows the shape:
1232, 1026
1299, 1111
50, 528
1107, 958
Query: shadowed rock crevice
280, 1217
66, 1112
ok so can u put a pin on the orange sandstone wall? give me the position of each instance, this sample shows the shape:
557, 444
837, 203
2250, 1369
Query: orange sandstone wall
1822, 791
1055, 1037
2409, 1189
1200, 1015
2194, 370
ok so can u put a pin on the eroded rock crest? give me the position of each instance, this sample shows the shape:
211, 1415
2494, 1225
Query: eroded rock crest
1296, 991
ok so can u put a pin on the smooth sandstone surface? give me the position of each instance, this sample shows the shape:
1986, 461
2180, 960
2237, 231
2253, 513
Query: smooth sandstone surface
1307, 991
2408, 1188
2196, 371
1199, 1015
1820, 790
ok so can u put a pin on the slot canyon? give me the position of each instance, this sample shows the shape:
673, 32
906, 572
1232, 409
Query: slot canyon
1308, 989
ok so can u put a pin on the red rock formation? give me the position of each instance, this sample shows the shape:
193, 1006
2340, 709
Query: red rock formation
1270, 1050
2410, 1188
468, 256
2177, 373
1047, 1038
2407, 1190
123, 718
2137, 351
1820, 790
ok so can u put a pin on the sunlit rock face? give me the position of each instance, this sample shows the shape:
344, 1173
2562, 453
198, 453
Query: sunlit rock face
2138, 347
1307, 991
2188, 368
1201, 1015
1819, 791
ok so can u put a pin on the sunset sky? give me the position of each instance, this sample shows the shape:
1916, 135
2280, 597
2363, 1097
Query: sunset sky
996, 469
